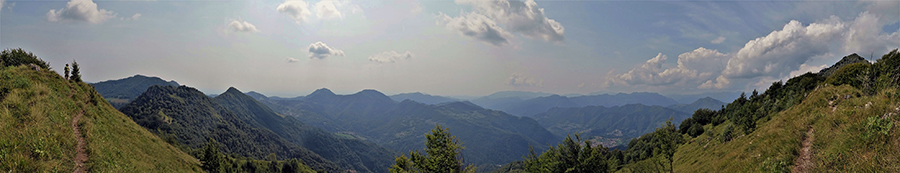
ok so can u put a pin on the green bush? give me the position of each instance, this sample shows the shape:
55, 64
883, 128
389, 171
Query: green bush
18, 56
854, 75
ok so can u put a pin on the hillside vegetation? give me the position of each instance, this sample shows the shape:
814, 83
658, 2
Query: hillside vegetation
811, 123
37, 108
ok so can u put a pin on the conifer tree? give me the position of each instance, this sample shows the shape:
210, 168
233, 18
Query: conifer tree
76, 74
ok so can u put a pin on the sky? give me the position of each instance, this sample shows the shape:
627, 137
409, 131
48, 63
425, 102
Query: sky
456, 48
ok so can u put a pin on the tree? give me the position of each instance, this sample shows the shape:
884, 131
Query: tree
571, 156
210, 158
441, 155
669, 140
76, 74
18, 56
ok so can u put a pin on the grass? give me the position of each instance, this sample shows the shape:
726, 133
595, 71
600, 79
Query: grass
36, 108
839, 143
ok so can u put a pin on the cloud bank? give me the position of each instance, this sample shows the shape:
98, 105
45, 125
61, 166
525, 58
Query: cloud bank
780, 54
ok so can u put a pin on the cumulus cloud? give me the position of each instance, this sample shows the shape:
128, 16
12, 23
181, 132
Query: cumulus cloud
521, 17
525, 18
326, 9
696, 65
517, 79
292, 60
479, 27
718, 40
321, 51
241, 26
136, 16
296, 9
390, 57
864, 35
80, 10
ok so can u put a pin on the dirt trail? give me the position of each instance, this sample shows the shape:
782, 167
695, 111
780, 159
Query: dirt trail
80, 155
804, 161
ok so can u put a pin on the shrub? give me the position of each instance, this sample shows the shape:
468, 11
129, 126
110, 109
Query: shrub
18, 56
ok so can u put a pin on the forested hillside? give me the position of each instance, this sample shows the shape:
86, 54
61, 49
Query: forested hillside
491, 136
346, 151
121, 91
185, 116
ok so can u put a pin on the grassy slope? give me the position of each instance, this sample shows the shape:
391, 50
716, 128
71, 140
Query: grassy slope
839, 141
35, 113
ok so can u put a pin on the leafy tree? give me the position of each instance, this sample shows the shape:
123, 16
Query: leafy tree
18, 56
571, 156
669, 140
76, 74
441, 155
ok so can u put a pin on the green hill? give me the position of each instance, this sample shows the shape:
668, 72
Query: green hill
38, 110
491, 137
187, 117
355, 154
121, 91
843, 121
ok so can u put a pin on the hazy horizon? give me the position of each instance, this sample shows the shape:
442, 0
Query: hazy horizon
452, 48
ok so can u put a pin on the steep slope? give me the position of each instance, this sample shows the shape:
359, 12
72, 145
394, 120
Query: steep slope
422, 98
121, 91
490, 136
350, 153
188, 117
702, 103
538, 105
837, 124
625, 122
37, 116
846, 60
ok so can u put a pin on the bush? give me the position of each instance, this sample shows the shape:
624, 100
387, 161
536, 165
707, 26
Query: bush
727, 134
853, 75
18, 56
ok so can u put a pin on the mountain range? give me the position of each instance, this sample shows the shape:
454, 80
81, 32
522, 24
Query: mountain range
121, 91
490, 137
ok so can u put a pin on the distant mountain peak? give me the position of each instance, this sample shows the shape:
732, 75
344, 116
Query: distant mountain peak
232, 90
322, 92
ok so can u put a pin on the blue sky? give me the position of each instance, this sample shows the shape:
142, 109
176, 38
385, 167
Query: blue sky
463, 47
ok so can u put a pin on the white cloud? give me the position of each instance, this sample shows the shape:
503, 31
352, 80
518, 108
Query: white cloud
783, 51
718, 40
80, 10
517, 79
865, 36
390, 57
241, 26
326, 9
136, 16
296, 9
525, 18
292, 60
477, 26
321, 51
